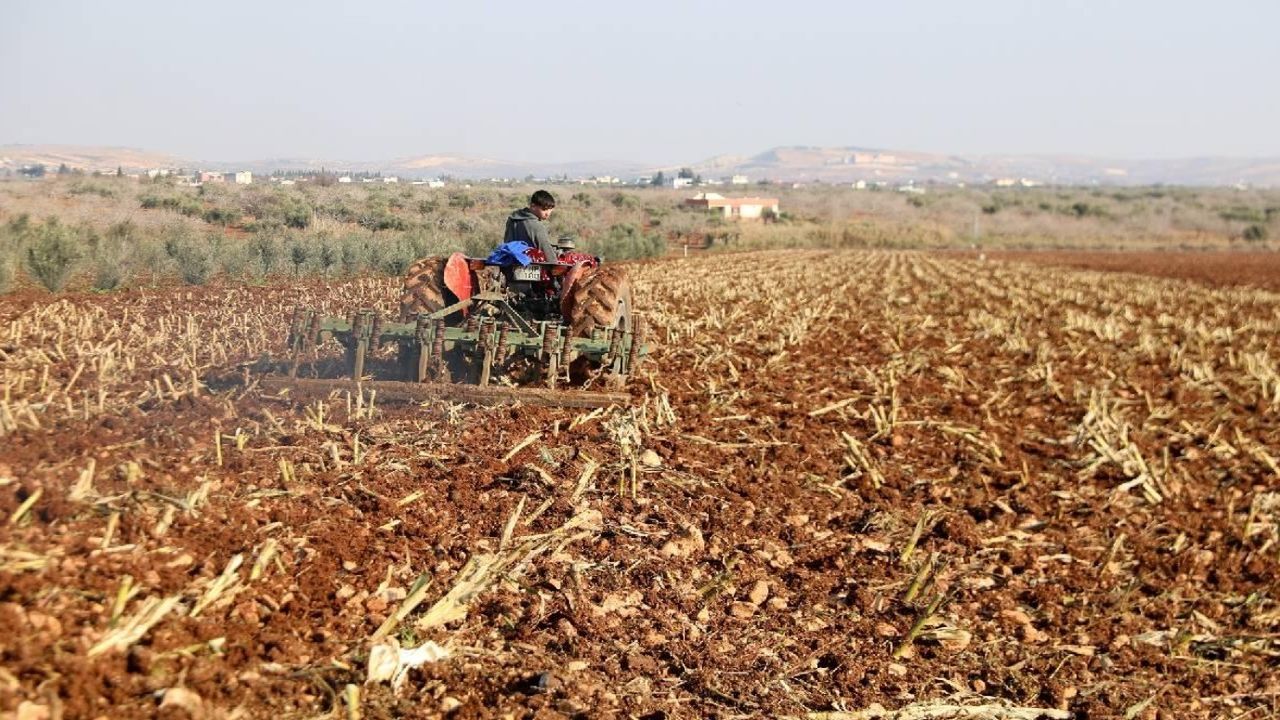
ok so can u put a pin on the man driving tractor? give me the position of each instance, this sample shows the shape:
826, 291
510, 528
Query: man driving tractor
526, 225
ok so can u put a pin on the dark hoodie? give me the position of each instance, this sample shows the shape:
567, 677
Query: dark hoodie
523, 226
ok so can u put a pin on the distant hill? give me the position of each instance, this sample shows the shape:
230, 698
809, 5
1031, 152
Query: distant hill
784, 164
84, 157
847, 164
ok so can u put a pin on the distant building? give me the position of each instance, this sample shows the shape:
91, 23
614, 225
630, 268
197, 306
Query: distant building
679, 182
344, 179
739, 180
241, 177
391, 179
209, 176
748, 208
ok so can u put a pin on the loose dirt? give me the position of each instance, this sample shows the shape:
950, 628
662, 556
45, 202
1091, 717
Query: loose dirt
845, 479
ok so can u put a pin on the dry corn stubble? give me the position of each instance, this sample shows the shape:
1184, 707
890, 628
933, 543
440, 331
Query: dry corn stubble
1018, 420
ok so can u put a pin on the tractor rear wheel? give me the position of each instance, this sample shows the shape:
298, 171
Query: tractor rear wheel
601, 300
424, 289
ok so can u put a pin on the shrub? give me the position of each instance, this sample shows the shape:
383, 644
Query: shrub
1082, 209
397, 259
1240, 213
327, 255
196, 265
624, 241
381, 219
109, 272
297, 214
351, 256
221, 216
52, 254
111, 256
92, 188
298, 255
265, 252
1255, 233
461, 200
7, 248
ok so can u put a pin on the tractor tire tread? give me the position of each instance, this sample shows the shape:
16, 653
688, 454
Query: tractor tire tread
424, 289
595, 300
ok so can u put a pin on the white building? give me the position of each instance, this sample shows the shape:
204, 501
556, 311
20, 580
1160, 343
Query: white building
241, 177
748, 208
739, 180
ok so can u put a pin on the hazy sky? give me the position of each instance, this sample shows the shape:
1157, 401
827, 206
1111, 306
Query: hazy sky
645, 80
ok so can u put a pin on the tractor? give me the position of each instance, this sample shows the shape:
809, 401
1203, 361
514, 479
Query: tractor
490, 328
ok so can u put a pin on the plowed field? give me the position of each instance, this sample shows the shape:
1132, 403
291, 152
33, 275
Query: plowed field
849, 484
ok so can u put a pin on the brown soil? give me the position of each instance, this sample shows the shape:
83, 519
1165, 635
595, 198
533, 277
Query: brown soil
1259, 269
1087, 463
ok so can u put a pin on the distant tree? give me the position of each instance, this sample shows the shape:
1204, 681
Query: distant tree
298, 255
63, 169
119, 171
32, 171
658, 180
686, 173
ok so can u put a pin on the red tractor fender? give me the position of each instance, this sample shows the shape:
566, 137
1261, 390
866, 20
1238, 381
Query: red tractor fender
457, 276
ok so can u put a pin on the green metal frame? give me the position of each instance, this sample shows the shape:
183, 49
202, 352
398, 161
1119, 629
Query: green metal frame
489, 339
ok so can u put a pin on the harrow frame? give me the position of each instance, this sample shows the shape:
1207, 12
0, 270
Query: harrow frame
492, 332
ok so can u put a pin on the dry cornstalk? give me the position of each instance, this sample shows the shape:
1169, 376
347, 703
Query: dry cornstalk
483, 569
226, 583
25, 507
152, 611
584, 480
989, 709
521, 445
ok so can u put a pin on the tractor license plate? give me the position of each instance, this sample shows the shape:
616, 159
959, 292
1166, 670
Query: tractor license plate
532, 274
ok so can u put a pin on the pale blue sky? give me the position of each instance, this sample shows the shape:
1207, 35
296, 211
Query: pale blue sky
649, 80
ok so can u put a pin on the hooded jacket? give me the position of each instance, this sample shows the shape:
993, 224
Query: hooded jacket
523, 226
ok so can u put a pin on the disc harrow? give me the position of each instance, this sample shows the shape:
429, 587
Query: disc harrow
492, 333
